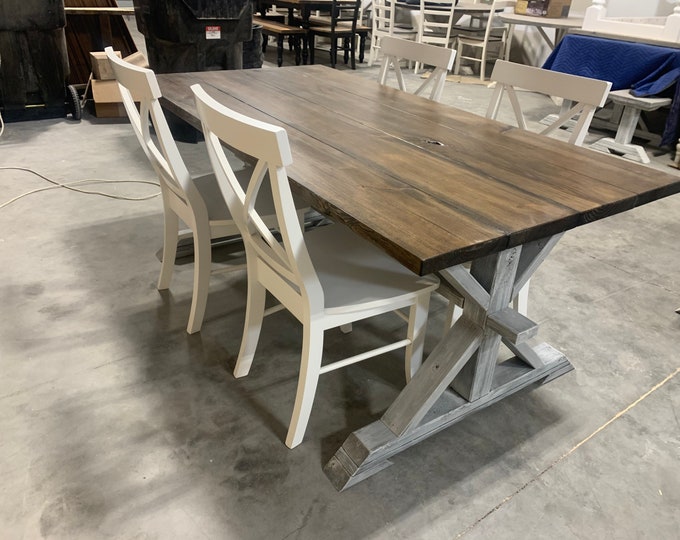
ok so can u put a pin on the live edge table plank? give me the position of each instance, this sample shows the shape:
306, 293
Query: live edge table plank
435, 187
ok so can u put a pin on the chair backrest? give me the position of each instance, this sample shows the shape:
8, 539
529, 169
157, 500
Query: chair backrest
286, 266
491, 27
584, 93
344, 15
441, 58
140, 84
436, 21
384, 12
667, 29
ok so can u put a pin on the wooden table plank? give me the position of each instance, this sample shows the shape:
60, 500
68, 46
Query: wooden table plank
486, 187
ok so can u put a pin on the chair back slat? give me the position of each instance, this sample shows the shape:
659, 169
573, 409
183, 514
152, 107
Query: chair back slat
585, 93
267, 145
440, 58
139, 84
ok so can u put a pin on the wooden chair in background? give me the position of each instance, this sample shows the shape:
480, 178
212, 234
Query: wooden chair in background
435, 22
384, 24
196, 200
440, 58
482, 45
343, 25
585, 94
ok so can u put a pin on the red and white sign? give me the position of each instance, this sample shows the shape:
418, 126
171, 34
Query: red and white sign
213, 32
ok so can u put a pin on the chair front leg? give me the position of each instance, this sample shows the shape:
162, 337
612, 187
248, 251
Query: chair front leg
310, 365
202, 267
417, 327
279, 51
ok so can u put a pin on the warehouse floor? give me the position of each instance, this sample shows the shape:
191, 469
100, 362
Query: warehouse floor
115, 423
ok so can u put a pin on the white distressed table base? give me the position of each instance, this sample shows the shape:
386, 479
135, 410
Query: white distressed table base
462, 374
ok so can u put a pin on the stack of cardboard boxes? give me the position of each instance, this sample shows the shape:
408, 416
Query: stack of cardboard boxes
108, 102
543, 8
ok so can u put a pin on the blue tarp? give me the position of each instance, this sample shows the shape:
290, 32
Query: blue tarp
649, 70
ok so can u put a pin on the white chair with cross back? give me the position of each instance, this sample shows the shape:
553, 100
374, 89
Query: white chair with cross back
440, 58
196, 200
326, 278
585, 96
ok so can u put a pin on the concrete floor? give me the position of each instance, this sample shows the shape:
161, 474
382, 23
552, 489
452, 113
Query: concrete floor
115, 423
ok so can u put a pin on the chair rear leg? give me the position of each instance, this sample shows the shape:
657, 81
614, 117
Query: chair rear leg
257, 295
202, 267
417, 327
298, 51
312, 348
279, 51
170, 239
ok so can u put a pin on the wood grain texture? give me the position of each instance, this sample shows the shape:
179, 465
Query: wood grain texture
432, 185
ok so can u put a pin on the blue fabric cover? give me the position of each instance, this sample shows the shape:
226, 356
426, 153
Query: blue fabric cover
649, 70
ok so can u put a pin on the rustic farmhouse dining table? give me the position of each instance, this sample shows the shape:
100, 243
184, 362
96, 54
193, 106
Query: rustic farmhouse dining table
435, 187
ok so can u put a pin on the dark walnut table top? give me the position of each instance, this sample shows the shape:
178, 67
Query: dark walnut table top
432, 185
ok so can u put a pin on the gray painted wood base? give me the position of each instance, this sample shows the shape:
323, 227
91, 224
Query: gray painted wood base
462, 374
367, 450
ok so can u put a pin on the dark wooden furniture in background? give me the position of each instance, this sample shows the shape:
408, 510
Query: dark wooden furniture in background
89, 30
435, 187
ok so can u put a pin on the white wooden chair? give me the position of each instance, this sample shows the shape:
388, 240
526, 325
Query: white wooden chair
584, 93
440, 58
435, 24
327, 278
493, 40
646, 28
195, 200
384, 24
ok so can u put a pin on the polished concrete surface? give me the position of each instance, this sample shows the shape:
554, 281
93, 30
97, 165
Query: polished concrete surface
114, 423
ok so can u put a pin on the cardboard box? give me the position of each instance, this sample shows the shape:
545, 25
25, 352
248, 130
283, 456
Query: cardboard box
543, 8
138, 59
108, 103
101, 69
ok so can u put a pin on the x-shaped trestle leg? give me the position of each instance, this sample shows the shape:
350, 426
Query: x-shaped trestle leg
462, 373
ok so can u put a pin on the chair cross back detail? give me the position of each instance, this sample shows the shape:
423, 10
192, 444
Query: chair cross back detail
326, 278
441, 58
585, 94
195, 200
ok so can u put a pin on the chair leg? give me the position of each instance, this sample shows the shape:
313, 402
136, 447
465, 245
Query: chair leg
310, 40
334, 52
257, 295
170, 238
521, 303
373, 53
202, 267
362, 45
279, 51
298, 51
312, 348
417, 326
456, 64
353, 52
453, 313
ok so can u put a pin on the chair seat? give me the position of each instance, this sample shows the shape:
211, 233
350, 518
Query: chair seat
479, 39
353, 272
210, 192
340, 30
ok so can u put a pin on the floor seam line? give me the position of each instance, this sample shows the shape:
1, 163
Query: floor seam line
569, 452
